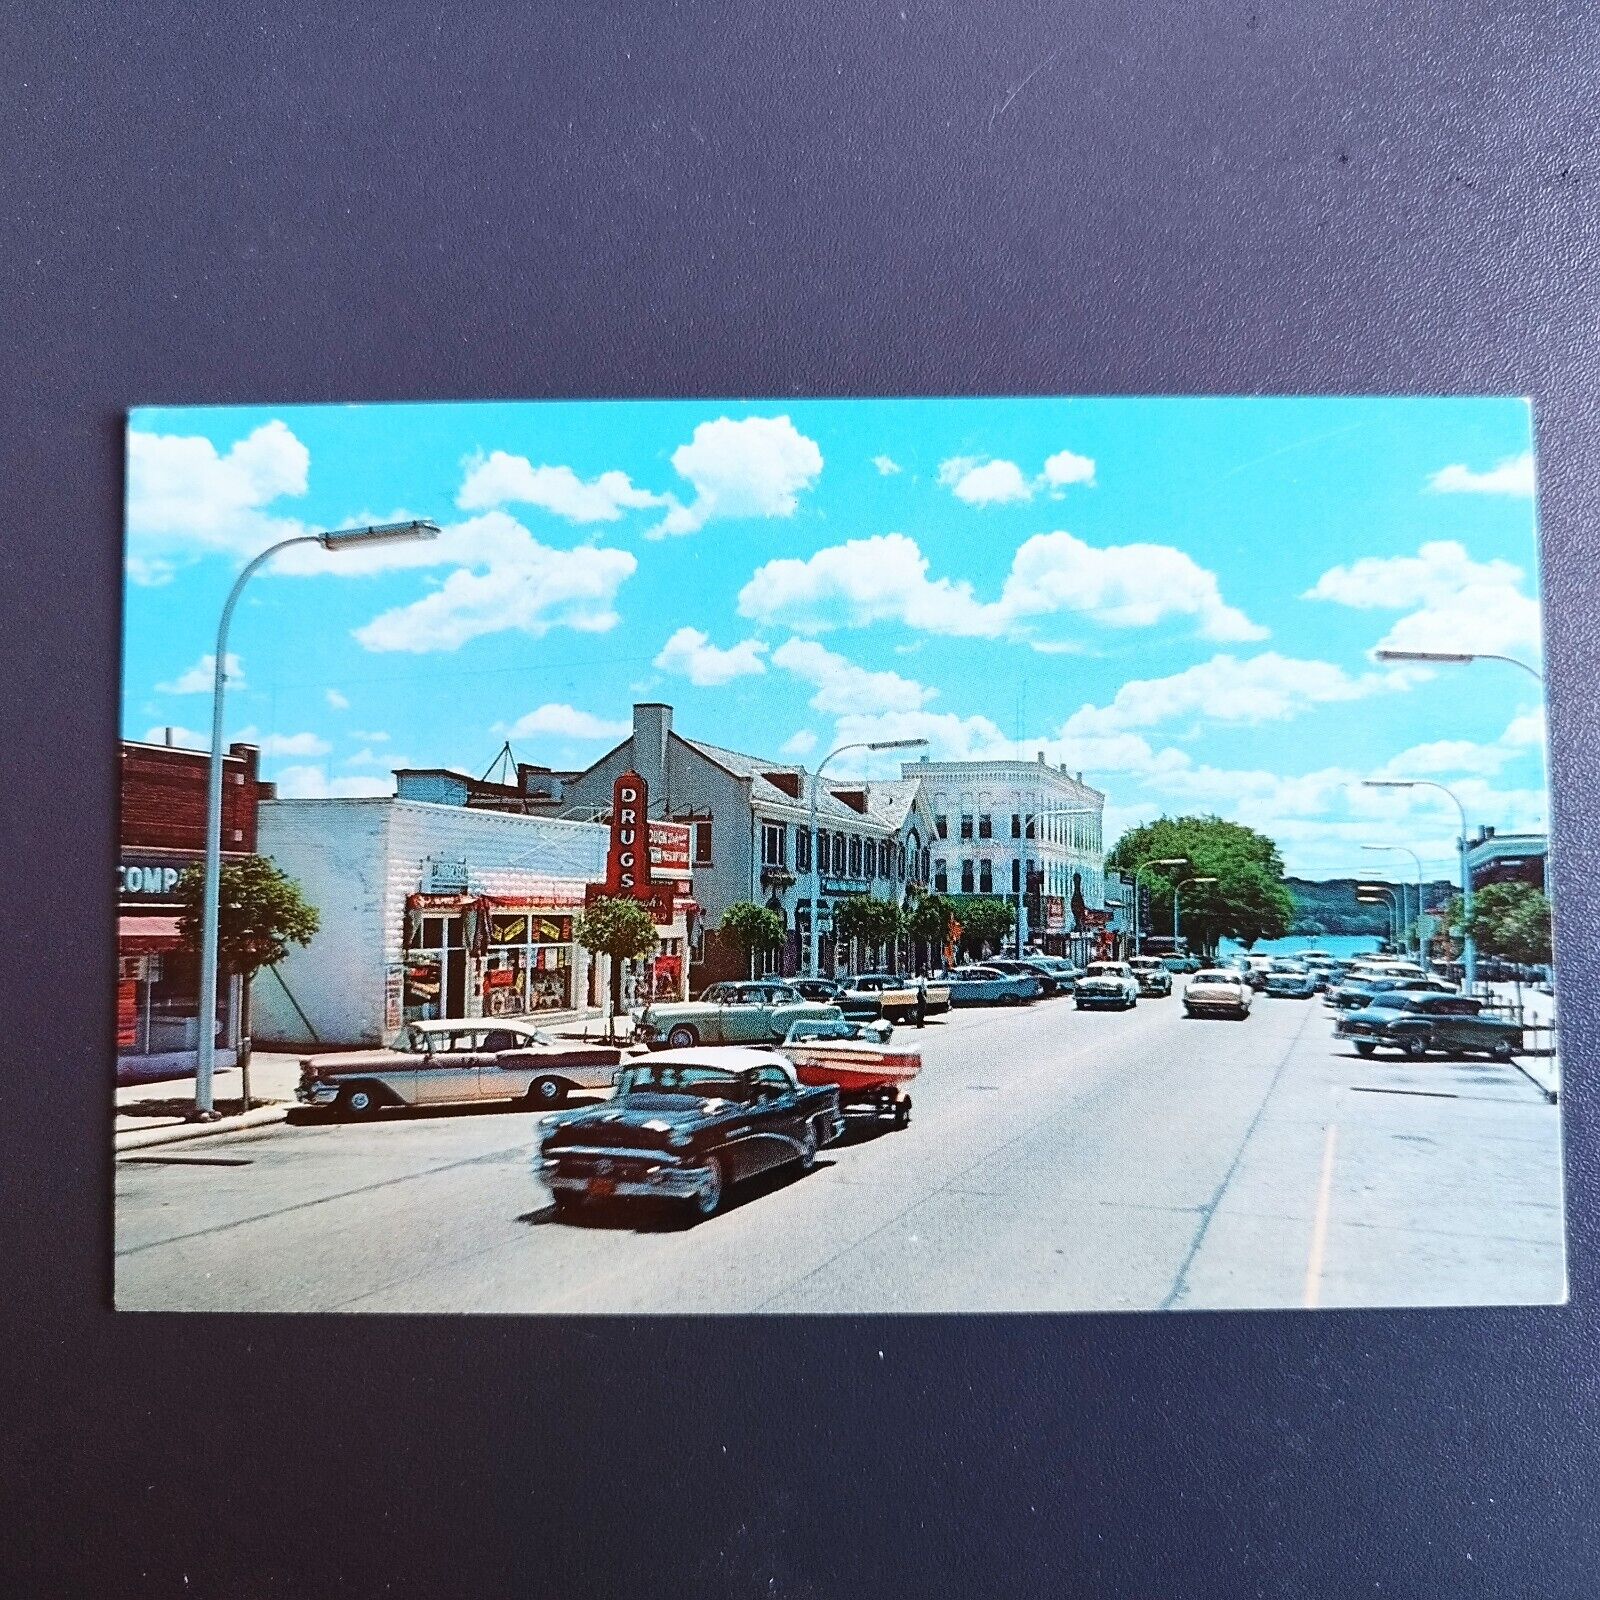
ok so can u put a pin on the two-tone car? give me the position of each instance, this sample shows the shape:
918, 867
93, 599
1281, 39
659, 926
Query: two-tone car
457, 1062
1218, 992
1352, 994
1291, 980
757, 1012
883, 994
983, 985
685, 1126
1057, 969
1415, 1022
1107, 986
1155, 981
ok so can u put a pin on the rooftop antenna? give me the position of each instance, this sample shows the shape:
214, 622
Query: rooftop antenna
505, 763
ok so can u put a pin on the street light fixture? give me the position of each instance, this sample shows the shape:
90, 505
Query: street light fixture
1372, 894
1456, 658
1422, 947
1028, 820
1469, 951
1158, 861
816, 786
1175, 889
335, 539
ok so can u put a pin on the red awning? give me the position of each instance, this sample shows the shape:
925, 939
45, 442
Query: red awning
147, 935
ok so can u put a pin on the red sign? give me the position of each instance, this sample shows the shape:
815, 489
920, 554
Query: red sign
669, 852
127, 1012
628, 860
1096, 919
499, 978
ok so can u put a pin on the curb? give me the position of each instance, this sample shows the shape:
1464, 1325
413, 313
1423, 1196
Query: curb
143, 1138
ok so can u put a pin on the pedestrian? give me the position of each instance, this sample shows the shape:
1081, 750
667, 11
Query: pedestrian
922, 999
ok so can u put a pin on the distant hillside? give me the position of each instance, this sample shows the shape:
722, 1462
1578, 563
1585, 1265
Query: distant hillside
1333, 903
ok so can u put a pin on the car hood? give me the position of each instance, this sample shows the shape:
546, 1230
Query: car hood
361, 1060
646, 1122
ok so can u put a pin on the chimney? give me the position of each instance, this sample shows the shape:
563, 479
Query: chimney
169, 738
1041, 758
1078, 777
652, 722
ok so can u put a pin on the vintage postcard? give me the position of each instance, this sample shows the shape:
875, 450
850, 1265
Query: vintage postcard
835, 856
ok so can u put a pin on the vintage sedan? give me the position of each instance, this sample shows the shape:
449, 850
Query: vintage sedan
1155, 981
1417, 1021
760, 1012
816, 988
1291, 980
448, 1063
983, 985
1218, 992
1107, 985
1352, 994
883, 994
685, 1125
1058, 969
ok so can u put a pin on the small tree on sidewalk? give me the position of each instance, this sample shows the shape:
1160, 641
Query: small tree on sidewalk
986, 920
260, 913
624, 930
868, 919
751, 928
928, 924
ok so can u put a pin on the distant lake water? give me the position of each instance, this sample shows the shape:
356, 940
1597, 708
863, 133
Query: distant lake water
1336, 944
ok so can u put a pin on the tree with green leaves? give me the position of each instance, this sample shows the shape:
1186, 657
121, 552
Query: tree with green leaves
927, 923
869, 920
751, 928
1511, 921
1249, 900
260, 913
622, 928
986, 922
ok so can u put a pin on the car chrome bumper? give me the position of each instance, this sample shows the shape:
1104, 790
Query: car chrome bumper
667, 1182
316, 1093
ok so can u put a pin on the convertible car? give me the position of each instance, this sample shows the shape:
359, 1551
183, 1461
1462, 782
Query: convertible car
881, 994
1417, 1021
727, 1013
440, 1063
685, 1125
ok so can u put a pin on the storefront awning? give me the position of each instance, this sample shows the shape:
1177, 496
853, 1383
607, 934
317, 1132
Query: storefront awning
147, 935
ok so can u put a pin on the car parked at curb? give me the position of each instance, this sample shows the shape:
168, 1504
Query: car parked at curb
1155, 981
983, 985
883, 994
1107, 985
685, 1126
1415, 1022
1352, 994
1025, 967
727, 1013
824, 989
457, 1062
1218, 992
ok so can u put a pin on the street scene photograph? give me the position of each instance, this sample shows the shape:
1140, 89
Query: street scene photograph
835, 856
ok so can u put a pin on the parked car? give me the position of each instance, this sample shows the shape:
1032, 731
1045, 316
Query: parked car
883, 994
1057, 970
983, 985
727, 1013
1218, 991
1154, 980
1352, 994
1291, 980
685, 1125
1023, 967
446, 1063
1182, 964
1417, 1021
816, 988
1107, 985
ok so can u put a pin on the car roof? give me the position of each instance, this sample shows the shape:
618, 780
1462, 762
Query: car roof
1226, 974
475, 1025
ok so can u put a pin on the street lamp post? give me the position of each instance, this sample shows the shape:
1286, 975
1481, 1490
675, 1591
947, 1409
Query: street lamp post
1469, 952
1457, 657
1157, 861
816, 864
1175, 890
1368, 894
1422, 943
1028, 820
333, 540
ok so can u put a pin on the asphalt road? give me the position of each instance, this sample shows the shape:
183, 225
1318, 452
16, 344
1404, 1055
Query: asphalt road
1057, 1160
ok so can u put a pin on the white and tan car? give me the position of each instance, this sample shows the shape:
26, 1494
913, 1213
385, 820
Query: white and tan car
1218, 992
450, 1063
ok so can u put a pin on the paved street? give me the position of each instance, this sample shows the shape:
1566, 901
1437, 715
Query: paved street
1057, 1160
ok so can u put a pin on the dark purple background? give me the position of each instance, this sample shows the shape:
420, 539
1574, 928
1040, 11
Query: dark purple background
260, 203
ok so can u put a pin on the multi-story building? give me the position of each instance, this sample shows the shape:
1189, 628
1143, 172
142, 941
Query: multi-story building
750, 826
1015, 828
1507, 858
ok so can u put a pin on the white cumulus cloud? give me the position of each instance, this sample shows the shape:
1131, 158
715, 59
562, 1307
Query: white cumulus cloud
313, 783
200, 678
500, 479
984, 483
284, 744
691, 654
844, 687
335, 699
183, 738
887, 466
799, 744
1513, 476
750, 467
564, 722
1065, 467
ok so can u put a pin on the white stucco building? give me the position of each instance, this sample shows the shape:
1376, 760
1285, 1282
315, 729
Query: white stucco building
426, 910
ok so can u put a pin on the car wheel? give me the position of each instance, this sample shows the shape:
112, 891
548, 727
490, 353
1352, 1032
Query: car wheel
358, 1100
543, 1093
902, 1113
1415, 1048
683, 1037
566, 1201
808, 1147
709, 1199
1501, 1050
1365, 1047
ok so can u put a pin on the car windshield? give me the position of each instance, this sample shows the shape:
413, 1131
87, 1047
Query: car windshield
1215, 976
662, 1077
1392, 1000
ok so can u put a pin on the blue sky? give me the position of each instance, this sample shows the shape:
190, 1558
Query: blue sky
1178, 597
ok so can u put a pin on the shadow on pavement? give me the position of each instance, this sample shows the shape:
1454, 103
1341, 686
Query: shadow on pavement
316, 1116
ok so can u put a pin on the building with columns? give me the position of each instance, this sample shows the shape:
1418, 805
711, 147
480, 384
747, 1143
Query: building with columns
998, 830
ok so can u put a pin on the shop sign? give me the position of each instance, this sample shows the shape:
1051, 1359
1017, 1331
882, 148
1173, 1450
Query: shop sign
1055, 914
508, 929
394, 997
438, 902
500, 978
149, 880
445, 875
127, 1012
628, 859
669, 852
1096, 919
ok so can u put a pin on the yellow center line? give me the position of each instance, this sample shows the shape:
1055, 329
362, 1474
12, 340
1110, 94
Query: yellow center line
1319, 1228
